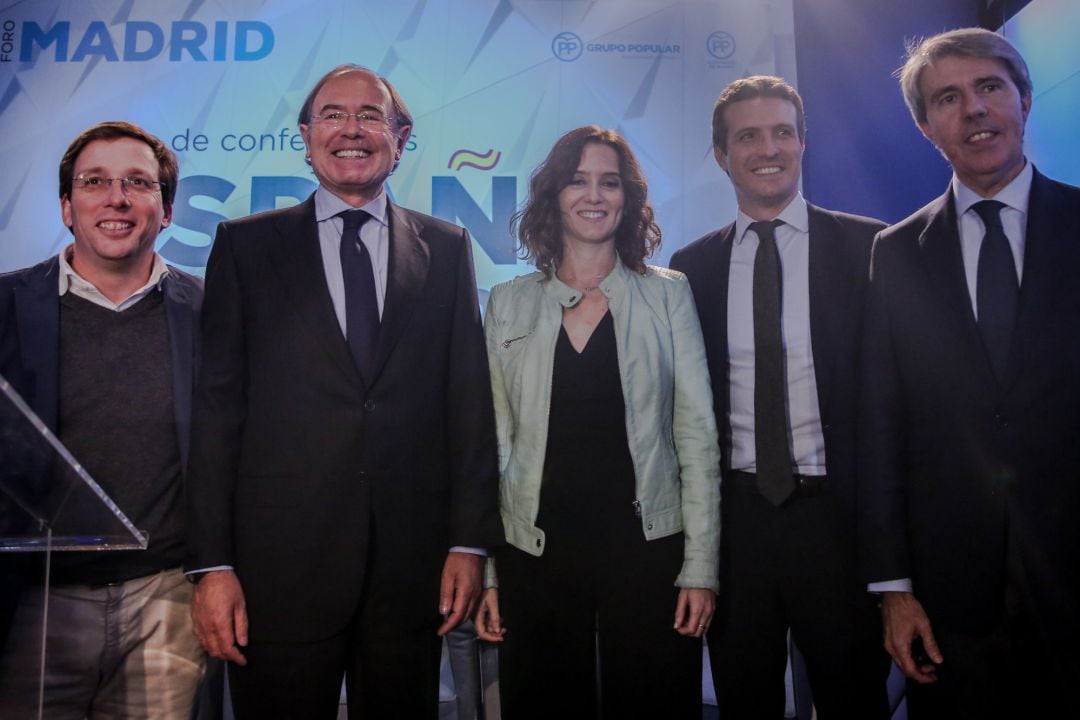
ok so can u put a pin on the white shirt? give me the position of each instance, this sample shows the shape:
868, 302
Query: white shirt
71, 281
793, 243
1015, 196
375, 234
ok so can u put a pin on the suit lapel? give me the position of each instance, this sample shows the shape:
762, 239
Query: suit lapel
944, 263
1050, 228
830, 291
37, 313
406, 275
295, 255
180, 313
713, 312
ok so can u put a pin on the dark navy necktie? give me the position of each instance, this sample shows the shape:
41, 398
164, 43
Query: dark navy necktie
996, 289
775, 479
361, 305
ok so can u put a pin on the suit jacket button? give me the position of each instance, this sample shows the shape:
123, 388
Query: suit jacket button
369, 405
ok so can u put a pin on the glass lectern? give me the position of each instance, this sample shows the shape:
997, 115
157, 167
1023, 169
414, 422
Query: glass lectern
48, 503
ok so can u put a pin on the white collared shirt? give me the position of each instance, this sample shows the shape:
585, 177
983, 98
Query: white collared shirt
1015, 196
793, 243
375, 234
71, 281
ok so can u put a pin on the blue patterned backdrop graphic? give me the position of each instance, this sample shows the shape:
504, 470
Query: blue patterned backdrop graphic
491, 83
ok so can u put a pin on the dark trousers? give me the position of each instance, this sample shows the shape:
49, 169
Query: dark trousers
388, 655
552, 606
793, 567
1017, 669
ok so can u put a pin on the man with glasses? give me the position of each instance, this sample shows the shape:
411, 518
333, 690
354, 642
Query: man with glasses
101, 341
343, 452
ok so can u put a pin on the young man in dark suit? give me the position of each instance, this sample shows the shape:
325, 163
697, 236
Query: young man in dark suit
971, 405
344, 466
102, 343
779, 293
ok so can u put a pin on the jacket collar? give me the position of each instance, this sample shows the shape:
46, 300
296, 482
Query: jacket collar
614, 286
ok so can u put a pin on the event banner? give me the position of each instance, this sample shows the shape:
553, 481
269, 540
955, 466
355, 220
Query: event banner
491, 85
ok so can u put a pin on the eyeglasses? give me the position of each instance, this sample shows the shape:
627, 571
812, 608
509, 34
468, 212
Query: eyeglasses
336, 119
133, 184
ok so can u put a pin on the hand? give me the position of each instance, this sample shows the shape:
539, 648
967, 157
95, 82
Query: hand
487, 619
694, 611
460, 588
905, 620
220, 615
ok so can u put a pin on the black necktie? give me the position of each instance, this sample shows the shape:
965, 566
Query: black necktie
775, 479
996, 289
361, 305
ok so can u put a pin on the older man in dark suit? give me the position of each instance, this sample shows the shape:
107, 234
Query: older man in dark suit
344, 464
779, 293
971, 405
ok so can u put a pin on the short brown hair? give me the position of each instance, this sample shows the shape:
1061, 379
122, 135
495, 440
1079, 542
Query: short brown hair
539, 223
168, 168
964, 42
748, 88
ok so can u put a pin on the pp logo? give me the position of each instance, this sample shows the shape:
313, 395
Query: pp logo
566, 47
720, 44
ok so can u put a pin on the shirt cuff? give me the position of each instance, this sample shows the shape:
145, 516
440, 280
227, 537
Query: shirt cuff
482, 552
194, 576
901, 585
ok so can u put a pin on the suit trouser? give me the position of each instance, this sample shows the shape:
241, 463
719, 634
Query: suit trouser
577, 607
1016, 669
388, 654
793, 566
125, 650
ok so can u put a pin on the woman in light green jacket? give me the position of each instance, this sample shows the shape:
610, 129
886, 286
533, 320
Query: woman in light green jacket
608, 454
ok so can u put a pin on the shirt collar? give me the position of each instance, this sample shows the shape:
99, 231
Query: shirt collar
71, 280
327, 205
1014, 195
795, 215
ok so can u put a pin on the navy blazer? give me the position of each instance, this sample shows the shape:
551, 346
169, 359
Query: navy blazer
839, 262
952, 460
30, 361
30, 340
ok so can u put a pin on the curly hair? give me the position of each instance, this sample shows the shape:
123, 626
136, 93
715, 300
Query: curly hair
539, 223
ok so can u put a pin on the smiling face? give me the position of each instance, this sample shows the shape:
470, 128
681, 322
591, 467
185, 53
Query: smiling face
591, 205
352, 161
764, 154
975, 116
114, 229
